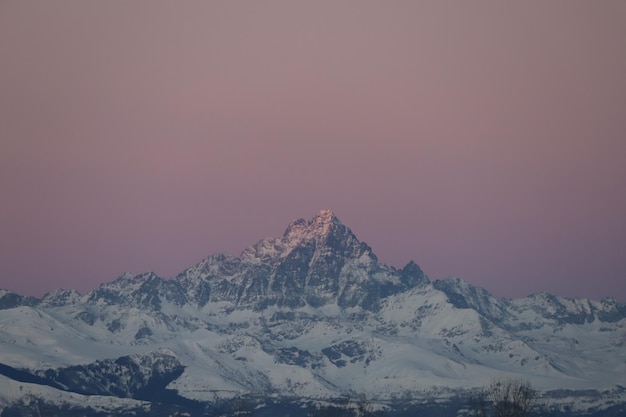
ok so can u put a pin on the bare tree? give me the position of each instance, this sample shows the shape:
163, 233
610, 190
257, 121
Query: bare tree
506, 397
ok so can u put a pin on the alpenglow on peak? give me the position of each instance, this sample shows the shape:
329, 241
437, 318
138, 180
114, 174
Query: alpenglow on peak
322, 225
326, 216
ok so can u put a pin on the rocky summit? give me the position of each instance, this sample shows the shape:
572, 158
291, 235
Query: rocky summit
307, 320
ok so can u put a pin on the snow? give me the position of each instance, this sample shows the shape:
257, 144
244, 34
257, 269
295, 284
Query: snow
411, 341
416, 342
13, 391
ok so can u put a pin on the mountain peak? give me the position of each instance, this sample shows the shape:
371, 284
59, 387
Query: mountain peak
326, 216
322, 225
325, 220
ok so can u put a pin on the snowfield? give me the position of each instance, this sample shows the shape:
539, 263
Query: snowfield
312, 315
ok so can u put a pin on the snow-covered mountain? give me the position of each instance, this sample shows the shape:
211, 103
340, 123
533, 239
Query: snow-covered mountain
311, 315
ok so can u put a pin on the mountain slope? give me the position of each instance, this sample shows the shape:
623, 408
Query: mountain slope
311, 314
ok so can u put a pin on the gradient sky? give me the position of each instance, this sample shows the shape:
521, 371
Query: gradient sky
485, 140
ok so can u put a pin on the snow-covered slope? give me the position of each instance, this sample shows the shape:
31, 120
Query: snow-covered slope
312, 314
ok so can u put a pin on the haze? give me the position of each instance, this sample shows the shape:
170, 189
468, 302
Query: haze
484, 140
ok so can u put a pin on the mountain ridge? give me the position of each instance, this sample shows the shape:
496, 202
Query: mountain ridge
297, 231
314, 314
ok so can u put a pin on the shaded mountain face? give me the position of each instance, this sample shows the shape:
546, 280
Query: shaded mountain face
135, 376
315, 262
310, 314
10, 299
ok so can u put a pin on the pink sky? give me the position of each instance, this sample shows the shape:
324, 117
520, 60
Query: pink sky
485, 140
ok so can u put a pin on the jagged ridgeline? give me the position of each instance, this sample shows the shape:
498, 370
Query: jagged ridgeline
307, 322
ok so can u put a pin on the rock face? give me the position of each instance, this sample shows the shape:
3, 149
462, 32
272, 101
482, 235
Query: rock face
135, 376
311, 314
315, 262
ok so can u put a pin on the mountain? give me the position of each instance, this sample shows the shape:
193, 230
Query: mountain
311, 315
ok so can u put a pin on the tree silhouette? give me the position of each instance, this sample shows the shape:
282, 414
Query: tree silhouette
505, 397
